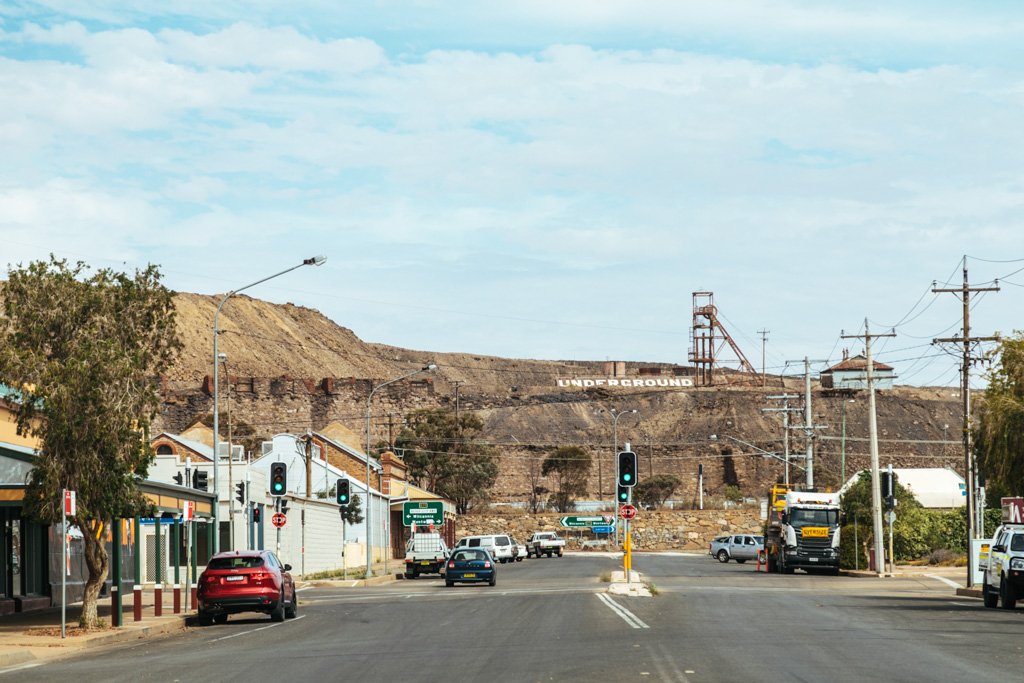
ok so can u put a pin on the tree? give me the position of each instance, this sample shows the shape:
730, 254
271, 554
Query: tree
353, 512
84, 351
999, 431
444, 456
654, 491
571, 467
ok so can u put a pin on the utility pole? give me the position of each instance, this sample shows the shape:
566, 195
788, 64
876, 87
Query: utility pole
973, 521
785, 410
309, 464
808, 426
456, 384
876, 487
764, 337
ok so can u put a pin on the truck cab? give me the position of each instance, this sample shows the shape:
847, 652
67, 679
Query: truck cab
802, 531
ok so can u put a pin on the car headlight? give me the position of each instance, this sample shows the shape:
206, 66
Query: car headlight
1017, 563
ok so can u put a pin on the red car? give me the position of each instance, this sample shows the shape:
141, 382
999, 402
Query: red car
246, 581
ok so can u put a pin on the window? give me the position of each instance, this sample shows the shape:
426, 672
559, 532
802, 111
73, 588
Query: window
241, 562
804, 517
1017, 542
164, 449
474, 543
501, 540
747, 540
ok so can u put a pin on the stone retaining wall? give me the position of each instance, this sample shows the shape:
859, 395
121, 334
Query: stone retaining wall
652, 530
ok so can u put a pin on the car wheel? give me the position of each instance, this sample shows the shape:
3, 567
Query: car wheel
494, 580
740, 561
448, 583
278, 613
292, 608
1007, 597
990, 597
519, 559
220, 618
834, 571
205, 619
723, 556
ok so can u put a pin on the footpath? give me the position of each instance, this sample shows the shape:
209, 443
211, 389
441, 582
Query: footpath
29, 638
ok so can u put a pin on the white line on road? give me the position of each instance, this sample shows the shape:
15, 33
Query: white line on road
261, 628
626, 615
21, 667
943, 579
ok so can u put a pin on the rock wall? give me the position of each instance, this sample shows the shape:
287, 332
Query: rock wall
652, 530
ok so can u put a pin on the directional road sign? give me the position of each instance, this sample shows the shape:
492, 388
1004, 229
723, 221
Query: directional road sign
581, 521
278, 520
603, 529
627, 511
423, 514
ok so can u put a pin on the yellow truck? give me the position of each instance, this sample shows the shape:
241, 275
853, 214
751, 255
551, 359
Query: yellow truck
802, 531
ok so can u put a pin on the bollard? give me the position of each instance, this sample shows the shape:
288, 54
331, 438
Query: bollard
137, 602
195, 599
115, 604
177, 599
158, 600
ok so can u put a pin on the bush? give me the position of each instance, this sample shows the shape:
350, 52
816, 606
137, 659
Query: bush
943, 556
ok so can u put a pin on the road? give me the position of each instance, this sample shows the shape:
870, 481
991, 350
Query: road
549, 620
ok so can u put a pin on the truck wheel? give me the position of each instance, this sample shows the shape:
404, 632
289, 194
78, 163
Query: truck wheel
990, 598
723, 556
549, 553
1006, 594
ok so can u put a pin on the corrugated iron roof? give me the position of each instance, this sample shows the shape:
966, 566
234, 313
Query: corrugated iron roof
859, 362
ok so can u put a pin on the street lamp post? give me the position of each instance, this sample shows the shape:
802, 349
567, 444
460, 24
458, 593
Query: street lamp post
369, 505
314, 261
231, 483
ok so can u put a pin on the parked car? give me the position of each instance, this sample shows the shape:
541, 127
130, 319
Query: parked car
741, 547
246, 581
521, 553
1003, 582
498, 546
470, 565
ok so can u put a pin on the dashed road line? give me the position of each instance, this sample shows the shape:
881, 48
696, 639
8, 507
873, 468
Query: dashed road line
943, 579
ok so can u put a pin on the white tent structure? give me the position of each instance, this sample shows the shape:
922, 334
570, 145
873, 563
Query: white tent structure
933, 487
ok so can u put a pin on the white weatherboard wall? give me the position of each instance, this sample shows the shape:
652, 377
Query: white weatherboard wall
316, 545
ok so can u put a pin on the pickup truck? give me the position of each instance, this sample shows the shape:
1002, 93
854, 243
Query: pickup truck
425, 553
544, 543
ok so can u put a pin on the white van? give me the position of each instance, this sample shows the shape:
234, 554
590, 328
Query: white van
500, 546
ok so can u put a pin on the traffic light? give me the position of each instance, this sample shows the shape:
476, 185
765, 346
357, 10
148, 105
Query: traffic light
627, 468
278, 479
342, 491
256, 515
622, 495
179, 479
240, 492
199, 480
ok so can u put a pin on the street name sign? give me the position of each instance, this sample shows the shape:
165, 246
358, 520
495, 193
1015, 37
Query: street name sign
278, 520
581, 521
603, 529
423, 514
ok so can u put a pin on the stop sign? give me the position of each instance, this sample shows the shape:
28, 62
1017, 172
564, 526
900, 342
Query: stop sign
627, 511
278, 520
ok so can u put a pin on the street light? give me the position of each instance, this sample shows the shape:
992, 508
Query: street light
231, 483
369, 506
314, 261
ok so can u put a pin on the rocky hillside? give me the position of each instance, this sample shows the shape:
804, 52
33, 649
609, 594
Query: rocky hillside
290, 369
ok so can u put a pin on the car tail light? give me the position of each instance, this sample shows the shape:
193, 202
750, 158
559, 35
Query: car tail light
257, 578
451, 565
487, 565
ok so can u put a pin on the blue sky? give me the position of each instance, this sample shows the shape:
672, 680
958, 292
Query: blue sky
535, 179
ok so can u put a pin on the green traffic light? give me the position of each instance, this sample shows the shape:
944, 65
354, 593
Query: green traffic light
627, 477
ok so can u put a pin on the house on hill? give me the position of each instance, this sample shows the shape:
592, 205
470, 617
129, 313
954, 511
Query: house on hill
852, 373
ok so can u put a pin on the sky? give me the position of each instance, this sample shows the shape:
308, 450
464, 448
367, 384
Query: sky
546, 180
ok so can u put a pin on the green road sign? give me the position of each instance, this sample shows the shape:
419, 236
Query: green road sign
423, 514
578, 522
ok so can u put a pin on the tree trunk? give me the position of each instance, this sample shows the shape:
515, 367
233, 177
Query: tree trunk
98, 562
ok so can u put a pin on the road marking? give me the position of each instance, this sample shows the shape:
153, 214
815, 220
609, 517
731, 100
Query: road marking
261, 628
627, 616
304, 588
21, 667
943, 579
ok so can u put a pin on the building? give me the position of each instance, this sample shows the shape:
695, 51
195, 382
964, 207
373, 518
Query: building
935, 488
852, 373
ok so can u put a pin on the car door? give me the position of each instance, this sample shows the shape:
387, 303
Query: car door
736, 547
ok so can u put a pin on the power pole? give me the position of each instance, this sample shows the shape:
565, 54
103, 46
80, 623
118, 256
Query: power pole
456, 384
785, 410
876, 487
764, 337
808, 426
973, 520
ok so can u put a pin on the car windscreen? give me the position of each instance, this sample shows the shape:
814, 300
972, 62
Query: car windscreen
805, 517
243, 562
1017, 542
469, 556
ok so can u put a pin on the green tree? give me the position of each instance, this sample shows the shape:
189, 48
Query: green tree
446, 457
85, 351
654, 491
570, 466
353, 512
999, 430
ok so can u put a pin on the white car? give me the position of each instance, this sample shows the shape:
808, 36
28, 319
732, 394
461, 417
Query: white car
498, 545
522, 550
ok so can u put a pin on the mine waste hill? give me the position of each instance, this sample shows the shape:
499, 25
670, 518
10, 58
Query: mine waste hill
290, 369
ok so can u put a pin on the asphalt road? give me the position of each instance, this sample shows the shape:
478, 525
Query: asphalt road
549, 620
